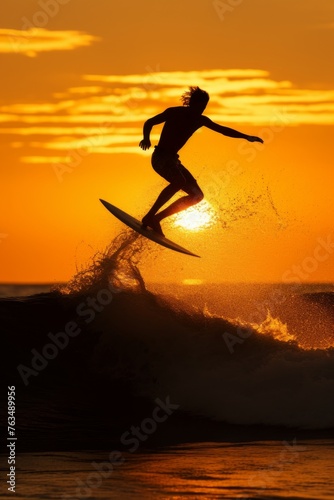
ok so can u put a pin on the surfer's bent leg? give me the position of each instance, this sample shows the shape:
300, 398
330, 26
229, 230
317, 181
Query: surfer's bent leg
170, 168
183, 180
183, 203
149, 219
162, 162
166, 194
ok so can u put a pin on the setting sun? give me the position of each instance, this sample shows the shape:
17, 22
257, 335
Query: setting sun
197, 218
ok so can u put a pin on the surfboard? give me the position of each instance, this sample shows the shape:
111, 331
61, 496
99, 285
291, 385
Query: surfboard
147, 232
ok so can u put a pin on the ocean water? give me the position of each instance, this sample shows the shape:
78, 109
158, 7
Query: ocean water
244, 470
125, 389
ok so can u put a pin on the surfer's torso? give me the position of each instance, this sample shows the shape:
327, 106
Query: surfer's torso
179, 126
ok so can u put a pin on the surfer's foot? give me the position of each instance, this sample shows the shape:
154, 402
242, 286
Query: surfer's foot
153, 223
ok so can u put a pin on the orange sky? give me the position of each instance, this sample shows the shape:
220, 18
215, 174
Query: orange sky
79, 79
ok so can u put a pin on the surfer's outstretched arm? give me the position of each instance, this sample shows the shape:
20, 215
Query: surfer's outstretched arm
155, 120
229, 132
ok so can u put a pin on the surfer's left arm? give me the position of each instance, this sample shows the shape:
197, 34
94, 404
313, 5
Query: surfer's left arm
148, 125
229, 132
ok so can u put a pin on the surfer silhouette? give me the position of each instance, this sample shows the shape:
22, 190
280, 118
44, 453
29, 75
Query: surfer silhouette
180, 123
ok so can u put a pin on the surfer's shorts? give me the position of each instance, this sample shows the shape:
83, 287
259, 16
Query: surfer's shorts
168, 165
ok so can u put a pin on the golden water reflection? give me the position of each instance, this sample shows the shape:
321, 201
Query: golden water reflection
257, 470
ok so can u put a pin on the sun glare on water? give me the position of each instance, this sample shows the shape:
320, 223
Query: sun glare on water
197, 218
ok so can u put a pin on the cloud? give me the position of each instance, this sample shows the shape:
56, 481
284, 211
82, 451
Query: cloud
37, 40
238, 96
106, 115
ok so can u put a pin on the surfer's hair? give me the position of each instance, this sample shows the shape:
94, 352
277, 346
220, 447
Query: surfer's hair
194, 95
